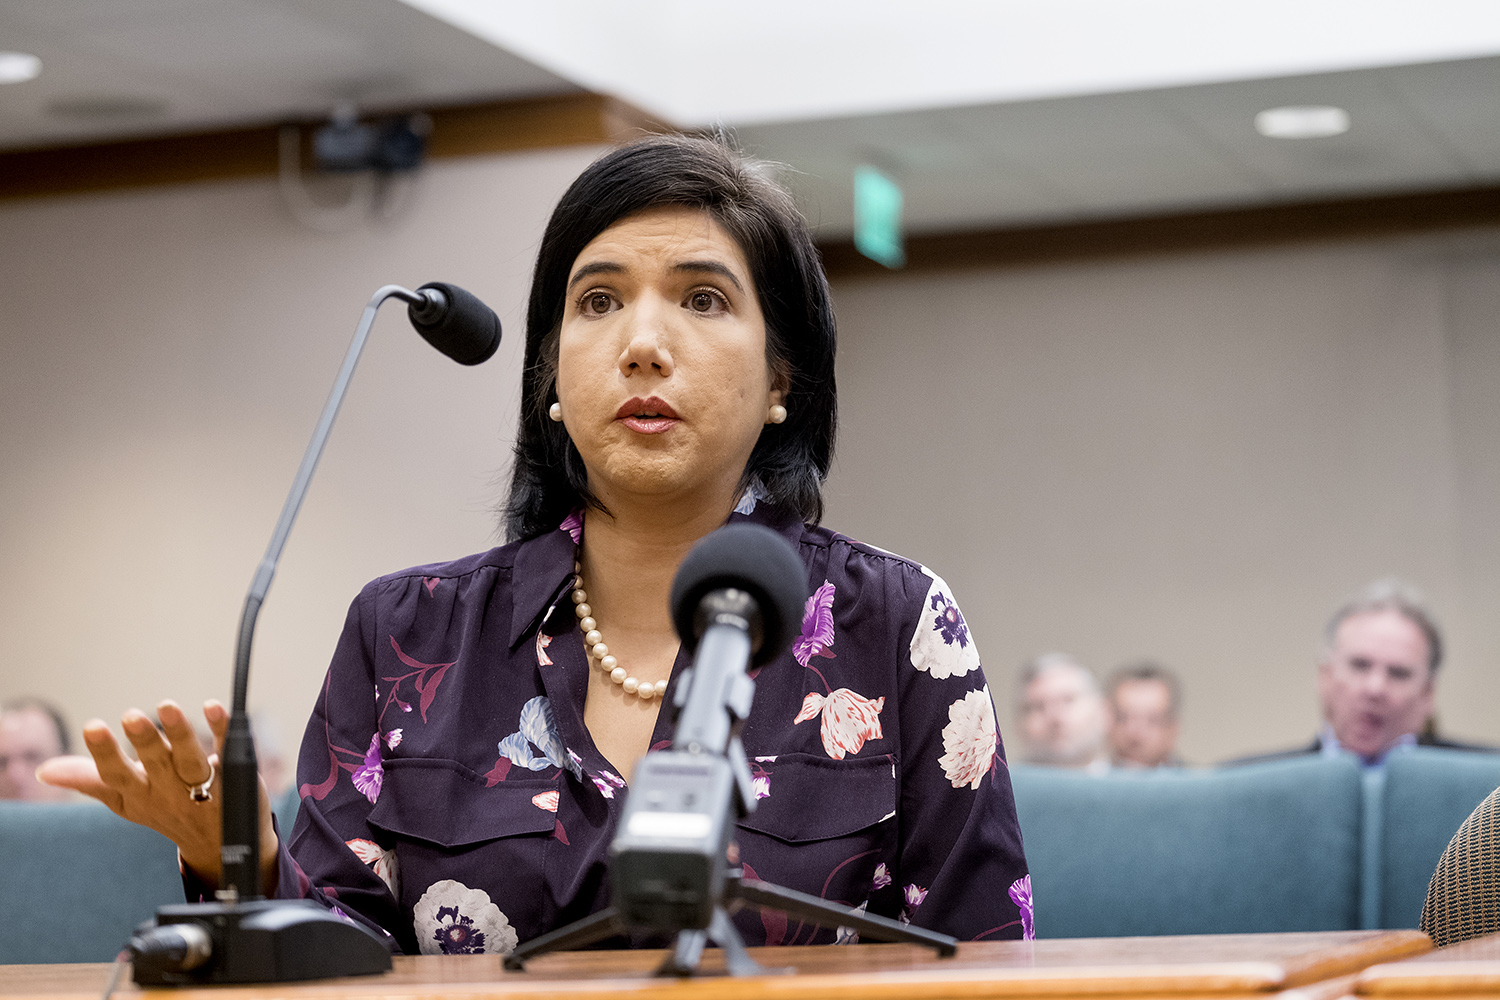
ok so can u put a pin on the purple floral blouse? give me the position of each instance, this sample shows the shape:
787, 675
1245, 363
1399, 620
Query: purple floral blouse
453, 799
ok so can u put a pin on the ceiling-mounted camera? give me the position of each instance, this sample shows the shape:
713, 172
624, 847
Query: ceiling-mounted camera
388, 145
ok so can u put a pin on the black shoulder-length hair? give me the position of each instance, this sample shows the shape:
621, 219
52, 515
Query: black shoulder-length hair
790, 461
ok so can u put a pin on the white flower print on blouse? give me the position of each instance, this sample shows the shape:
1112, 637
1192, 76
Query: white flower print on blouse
546, 800
969, 739
537, 729
452, 919
941, 644
378, 858
848, 935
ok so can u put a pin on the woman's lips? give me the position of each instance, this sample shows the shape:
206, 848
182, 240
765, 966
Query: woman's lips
651, 415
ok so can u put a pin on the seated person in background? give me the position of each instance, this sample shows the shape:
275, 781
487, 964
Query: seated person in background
1062, 714
1377, 677
1144, 699
466, 761
31, 731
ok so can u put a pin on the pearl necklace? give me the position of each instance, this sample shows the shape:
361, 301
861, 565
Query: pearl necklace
593, 642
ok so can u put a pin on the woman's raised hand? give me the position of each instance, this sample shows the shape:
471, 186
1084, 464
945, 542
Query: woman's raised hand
174, 788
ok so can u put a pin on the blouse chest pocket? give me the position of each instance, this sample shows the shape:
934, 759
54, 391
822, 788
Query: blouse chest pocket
443, 804
808, 798
825, 825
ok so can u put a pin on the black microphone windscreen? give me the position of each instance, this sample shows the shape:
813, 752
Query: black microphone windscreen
466, 329
754, 559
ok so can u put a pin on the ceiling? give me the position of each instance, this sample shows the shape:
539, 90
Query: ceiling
1053, 131
118, 68
1423, 127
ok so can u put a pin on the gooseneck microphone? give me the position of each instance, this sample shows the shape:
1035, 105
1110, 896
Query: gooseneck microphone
455, 322
251, 940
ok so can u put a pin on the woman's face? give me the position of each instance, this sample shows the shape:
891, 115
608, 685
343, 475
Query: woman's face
662, 372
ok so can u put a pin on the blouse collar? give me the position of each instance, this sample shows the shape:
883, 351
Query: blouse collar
544, 563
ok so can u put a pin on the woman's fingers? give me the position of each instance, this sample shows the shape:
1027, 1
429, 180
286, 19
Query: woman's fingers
81, 775
120, 775
154, 752
217, 717
189, 763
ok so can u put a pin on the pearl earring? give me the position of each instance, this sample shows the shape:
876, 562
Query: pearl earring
778, 414
555, 412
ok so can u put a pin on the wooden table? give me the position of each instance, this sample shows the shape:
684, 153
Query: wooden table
1467, 969
1176, 967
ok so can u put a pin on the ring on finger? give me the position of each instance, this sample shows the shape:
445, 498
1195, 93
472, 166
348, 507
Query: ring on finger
200, 792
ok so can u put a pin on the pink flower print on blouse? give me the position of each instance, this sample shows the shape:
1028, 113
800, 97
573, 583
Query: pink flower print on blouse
1020, 894
573, 525
546, 800
369, 776
969, 739
607, 782
393, 739
882, 877
427, 678
817, 626
848, 720
912, 896
378, 858
543, 640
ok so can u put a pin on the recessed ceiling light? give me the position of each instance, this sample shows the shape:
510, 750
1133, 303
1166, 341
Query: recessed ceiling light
1309, 122
18, 67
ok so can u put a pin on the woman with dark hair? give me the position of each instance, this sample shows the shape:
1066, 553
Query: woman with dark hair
461, 775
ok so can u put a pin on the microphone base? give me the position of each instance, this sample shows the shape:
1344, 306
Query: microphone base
685, 955
261, 941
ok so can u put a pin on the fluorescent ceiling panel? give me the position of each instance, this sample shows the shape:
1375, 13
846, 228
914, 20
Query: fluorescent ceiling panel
702, 61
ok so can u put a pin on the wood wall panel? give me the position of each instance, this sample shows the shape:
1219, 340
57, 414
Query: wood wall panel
466, 130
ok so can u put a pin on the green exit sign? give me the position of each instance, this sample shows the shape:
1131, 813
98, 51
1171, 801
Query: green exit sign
877, 217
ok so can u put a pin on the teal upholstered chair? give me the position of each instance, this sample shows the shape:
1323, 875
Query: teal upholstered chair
1428, 794
76, 879
285, 807
1264, 847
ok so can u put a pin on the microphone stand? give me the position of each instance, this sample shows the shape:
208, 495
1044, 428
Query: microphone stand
243, 938
670, 870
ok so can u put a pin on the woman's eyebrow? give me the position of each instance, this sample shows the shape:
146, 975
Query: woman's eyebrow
709, 267
598, 267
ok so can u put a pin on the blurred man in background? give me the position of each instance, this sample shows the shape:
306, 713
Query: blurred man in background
1144, 700
1377, 677
1062, 714
31, 731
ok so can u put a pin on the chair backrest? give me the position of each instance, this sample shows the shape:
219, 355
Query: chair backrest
285, 807
1429, 792
76, 879
1262, 847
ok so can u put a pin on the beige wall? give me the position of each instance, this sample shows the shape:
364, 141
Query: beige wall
1190, 457
165, 355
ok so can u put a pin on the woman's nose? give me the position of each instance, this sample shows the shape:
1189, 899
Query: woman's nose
647, 335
